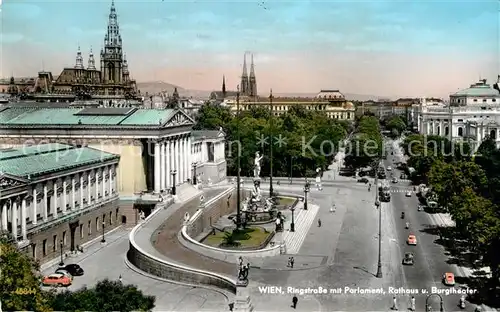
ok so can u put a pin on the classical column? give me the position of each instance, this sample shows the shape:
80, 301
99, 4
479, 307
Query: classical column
103, 185
13, 219
81, 190
54, 206
157, 167
64, 197
34, 201
168, 167
182, 161
175, 159
111, 170
162, 166
23, 219
189, 157
73, 191
89, 189
45, 203
4, 216
96, 191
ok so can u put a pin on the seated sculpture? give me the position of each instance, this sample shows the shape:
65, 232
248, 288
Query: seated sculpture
256, 195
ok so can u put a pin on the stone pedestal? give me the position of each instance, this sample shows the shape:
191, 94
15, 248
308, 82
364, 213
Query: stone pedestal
242, 301
176, 199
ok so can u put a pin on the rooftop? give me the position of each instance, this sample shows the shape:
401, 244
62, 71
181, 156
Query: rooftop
480, 88
72, 116
36, 160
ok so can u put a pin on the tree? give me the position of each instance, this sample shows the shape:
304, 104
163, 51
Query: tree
396, 125
212, 117
105, 296
19, 282
366, 144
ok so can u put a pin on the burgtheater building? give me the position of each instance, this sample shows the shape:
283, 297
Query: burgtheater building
471, 115
157, 147
54, 197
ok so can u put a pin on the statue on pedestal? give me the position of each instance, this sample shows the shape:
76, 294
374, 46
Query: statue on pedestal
256, 195
243, 272
256, 168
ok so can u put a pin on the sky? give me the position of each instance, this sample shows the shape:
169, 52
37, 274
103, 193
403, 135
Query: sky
385, 48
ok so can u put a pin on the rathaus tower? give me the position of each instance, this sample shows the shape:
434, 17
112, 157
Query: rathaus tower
112, 60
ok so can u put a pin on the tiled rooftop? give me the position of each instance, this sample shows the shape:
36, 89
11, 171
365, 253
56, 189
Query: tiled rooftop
45, 158
43, 116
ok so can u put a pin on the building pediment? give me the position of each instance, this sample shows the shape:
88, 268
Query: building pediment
10, 181
179, 118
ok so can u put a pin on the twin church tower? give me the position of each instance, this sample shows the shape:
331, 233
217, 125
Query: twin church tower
248, 84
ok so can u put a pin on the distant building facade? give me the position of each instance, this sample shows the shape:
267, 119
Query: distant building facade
111, 81
330, 102
56, 197
471, 115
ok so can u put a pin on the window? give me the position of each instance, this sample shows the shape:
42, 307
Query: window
110, 217
493, 100
54, 243
116, 214
89, 228
64, 238
475, 100
210, 148
33, 251
44, 247
81, 230
97, 224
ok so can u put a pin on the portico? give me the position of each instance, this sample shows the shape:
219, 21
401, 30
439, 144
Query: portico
48, 192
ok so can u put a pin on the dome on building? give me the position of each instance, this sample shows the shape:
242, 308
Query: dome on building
330, 94
478, 89
348, 105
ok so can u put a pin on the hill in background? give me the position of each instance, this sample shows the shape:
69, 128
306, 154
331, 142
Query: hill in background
154, 87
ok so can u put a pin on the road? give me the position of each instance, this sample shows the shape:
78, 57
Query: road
430, 258
169, 297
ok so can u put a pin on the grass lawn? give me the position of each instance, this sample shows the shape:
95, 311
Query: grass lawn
287, 201
249, 237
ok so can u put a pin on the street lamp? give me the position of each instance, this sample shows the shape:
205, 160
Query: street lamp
428, 306
61, 263
307, 187
378, 206
291, 169
292, 225
103, 226
194, 164
271, 143
238, 165
173, 173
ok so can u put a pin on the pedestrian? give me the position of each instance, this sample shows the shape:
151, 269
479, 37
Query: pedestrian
120, 278
294, 302
332, 208
288, 264
278, 182
394, 304
319, 222
412, 303
292, 261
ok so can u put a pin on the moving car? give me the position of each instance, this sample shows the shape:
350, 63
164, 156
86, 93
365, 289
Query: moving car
394, 180
412, 240
389, 168
56, 279
408, 259
363, 180
73, 269
408, 194
449, 279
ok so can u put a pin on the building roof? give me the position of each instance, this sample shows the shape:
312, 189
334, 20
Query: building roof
207, 134
101, 116
478, 89
36, 160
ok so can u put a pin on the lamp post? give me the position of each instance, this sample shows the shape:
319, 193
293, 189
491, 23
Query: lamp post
173, 173
194, 164
292, 225
379, 207
238, 165
428, 306
103, 240
271, 147
306, 190
61, 263
291, 169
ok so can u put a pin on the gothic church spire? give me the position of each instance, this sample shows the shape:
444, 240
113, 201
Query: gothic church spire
244, 77
252, 88
224, 85
113, 37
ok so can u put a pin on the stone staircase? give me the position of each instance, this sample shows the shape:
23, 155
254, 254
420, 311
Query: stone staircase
187, 191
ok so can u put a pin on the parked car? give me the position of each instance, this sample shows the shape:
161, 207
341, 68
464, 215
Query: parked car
56, 279
394, 180
65, 273
363, 180
408, 259
449, 279
408, 194
73, 269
